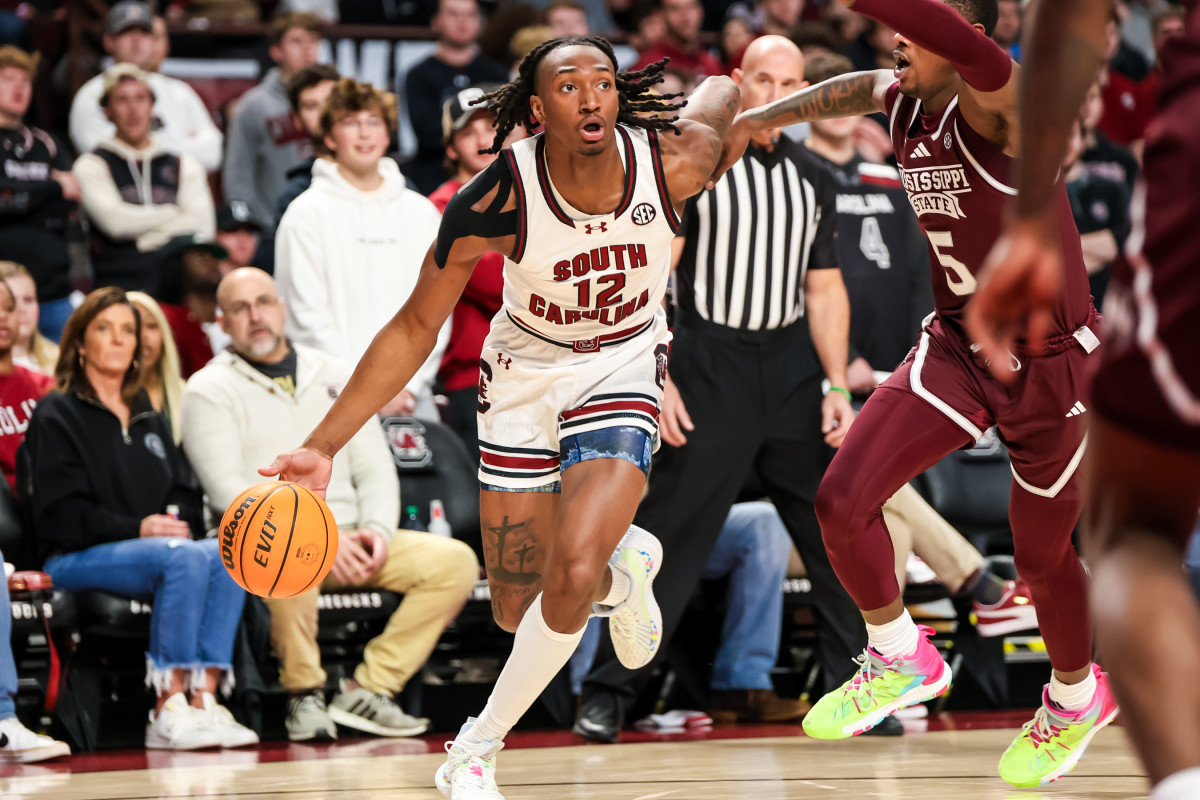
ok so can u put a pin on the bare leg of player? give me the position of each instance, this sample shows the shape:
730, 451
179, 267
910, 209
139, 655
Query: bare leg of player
1143, 500
549, 559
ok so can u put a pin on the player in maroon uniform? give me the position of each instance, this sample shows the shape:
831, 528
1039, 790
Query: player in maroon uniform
1144, 461
952, 108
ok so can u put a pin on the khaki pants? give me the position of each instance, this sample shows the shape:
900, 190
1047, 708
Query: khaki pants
916, 528
434, 574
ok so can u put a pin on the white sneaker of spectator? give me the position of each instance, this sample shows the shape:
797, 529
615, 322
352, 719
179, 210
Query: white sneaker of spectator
178, 726
19, 745
231, 732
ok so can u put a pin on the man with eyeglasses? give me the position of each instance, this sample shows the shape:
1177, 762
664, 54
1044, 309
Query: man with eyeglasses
349, 249
248, 403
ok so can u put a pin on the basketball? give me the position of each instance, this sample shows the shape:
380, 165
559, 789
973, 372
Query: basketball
278, 539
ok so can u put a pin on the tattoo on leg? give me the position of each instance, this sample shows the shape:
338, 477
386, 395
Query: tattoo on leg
516, 559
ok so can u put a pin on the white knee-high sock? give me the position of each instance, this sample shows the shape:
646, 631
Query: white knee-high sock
538, 654
1183, 785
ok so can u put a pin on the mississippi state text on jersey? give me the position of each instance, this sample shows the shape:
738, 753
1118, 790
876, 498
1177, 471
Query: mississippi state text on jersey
958, 184
589, 280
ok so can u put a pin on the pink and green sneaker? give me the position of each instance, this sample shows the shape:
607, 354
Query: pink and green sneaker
880, 688
1051, 744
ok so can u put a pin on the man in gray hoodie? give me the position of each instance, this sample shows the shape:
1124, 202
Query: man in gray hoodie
263, 141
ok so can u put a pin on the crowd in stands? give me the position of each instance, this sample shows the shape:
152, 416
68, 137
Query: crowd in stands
180, 302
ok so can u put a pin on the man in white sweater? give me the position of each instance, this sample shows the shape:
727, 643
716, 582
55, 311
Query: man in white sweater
254, 399
349, 249
137, 192
134, 35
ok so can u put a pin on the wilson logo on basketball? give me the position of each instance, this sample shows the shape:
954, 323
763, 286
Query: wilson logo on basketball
230, 530
308, 554
644, 214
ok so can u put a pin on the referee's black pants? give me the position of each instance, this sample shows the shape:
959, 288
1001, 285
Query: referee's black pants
755, 399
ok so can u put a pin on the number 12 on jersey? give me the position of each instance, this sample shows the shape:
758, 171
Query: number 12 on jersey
609, 295
958, 275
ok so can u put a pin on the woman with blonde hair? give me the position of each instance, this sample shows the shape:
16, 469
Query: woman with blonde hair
161, 376
32, 349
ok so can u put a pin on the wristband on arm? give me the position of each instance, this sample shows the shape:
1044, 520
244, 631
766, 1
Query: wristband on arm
934, 26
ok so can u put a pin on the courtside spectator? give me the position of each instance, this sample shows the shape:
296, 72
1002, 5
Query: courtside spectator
187, 296
567, 18
1007, 32
681, 43
779, 16
307, 92
180, 116
105, 473
1128, 103
1101, 154
18, 744
20, 390
348, 250
32, 350
1100, 206
39, 195
239, 233
467, 129
263, 140
161, 378
455, 64
254, 400
137, 192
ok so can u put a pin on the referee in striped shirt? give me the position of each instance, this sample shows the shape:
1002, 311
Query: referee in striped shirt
758, 272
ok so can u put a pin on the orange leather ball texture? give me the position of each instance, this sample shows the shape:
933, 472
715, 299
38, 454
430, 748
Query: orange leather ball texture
278, 539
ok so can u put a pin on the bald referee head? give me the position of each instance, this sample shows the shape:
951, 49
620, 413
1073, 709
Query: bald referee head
772, 68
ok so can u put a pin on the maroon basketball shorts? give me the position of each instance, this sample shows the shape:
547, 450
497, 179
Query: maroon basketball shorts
1041, 417
1149, 377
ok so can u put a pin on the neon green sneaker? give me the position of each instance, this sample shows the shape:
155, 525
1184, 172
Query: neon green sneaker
1051, 744
880, 688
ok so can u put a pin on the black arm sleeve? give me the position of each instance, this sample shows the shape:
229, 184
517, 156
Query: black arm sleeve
460, 219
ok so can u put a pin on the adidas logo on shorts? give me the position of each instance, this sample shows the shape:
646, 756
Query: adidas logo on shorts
1076, 409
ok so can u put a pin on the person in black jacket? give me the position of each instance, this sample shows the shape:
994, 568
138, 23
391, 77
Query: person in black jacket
39, 195
115, 508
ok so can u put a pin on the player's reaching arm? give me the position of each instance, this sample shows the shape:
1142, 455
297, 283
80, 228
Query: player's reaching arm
479, 219
1019, 287
690, 157
852, 95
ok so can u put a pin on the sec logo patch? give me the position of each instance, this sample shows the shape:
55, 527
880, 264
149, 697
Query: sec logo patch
644, 214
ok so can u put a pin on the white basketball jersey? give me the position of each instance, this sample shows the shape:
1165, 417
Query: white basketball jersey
589, 280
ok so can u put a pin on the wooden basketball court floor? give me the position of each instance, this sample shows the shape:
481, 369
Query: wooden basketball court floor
929, 765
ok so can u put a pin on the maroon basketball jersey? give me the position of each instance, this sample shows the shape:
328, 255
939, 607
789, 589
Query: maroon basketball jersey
959, 184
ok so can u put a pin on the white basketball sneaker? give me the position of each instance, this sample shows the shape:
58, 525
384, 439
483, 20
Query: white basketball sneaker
469, 772
635, 625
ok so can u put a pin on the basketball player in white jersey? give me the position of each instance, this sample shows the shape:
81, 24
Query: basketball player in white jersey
572, 371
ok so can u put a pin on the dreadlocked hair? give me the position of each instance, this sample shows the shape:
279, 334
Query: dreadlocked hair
640, 105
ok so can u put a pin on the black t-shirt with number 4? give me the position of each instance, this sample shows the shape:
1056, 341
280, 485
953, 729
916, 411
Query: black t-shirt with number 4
884, 259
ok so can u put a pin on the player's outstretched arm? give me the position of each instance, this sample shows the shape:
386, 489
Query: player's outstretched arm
475, 223
989, 100
852, 95
1021, 281
688, 159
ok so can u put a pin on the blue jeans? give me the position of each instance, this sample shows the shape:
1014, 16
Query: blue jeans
753, 551
196, 604
8, 666
53, 316
1191, 562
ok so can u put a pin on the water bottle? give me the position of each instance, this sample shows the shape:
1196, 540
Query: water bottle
173, 511
411, 521
437, 519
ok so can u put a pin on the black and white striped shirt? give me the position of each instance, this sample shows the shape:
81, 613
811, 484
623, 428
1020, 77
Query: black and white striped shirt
751, 239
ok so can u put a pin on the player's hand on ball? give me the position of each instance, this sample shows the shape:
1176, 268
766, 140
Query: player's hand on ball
305, 466
733, 149
836, 416
1017, 293
162, 525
